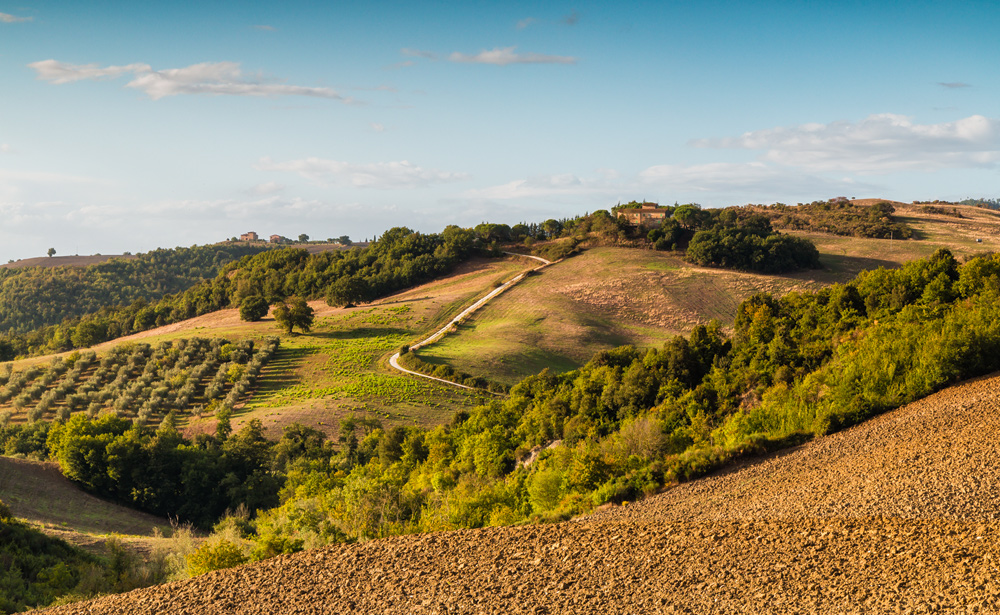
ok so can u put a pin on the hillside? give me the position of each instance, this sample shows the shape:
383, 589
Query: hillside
609, 296
602, 298
61, 288
895, 515
336, 370
65, 261
38, 493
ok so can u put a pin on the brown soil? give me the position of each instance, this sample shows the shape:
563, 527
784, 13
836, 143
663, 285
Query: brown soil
898, 515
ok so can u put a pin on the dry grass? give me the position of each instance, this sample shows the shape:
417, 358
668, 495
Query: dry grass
612, 296
64, 261
38, 493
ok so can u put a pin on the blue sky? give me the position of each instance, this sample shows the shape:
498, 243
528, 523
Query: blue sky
131, 126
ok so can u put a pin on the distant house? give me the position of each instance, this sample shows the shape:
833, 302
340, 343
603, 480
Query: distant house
648, 214
276, 238
251, 236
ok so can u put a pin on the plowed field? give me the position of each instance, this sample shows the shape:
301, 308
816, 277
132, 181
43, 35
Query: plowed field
899, 515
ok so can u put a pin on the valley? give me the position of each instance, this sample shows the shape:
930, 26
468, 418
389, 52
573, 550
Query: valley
632, 374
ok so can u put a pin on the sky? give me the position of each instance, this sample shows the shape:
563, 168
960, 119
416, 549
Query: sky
132, 126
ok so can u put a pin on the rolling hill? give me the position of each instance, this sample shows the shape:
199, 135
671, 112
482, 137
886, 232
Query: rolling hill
895, 515
339, 368
610, 296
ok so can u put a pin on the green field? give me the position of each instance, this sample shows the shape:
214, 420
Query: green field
338, 368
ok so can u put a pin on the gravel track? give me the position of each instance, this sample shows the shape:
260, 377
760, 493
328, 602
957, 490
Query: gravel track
899, 515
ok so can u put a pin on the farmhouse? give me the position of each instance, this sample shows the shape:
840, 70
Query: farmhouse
251, 236
276, 238
647, 214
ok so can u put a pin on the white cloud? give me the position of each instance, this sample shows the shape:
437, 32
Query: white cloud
879, 144
5, 148
60, 72
749, 179
533, 187
524, 23
400, 174
8, 18
506, 55
954, 84
266, 28
377, 127
215, 78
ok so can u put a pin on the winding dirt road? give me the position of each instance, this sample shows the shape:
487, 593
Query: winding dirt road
437, 335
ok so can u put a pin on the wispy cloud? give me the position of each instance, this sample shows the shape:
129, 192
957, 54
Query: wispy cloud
8, 18
572, 19
264, 27
507, 55
882, 143
5, 148
60, 72
954, 84
743, 180
215, 78
418, 53
524, 23
377, 127
391, 175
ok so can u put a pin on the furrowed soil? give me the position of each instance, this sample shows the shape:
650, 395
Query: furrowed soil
898, 515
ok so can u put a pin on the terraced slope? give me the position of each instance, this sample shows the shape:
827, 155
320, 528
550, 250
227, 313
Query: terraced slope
898, 515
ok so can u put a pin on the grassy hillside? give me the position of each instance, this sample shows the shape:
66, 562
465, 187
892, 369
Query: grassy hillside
39, 494
336, 370
607, 296
602, 298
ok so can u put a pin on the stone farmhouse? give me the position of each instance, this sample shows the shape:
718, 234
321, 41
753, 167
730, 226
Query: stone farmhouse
251, 236
650, 214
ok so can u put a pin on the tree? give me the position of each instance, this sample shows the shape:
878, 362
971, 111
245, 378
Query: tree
348, 290
253, 308
294, 313
303, 238
344, 240
51, 252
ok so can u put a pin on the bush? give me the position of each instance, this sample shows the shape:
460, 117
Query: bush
253, 308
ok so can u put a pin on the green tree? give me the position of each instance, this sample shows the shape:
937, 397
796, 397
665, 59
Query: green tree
348, 290
303, 238
253, 308
51, 252
294, 313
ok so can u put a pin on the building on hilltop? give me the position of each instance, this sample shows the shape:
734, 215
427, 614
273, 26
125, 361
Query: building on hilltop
276, 239
645, 215
251, 236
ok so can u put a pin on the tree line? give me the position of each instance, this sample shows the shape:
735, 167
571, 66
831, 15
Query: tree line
839, 217
398, 259
34, 297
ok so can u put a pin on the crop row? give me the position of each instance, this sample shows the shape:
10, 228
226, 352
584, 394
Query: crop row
139, 381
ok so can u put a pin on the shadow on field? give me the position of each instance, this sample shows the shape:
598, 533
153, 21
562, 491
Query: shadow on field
280, 370
850, 266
